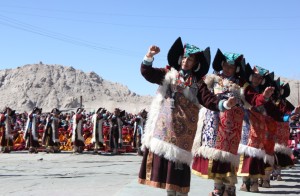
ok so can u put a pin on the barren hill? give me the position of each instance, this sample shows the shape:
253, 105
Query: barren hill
50, 86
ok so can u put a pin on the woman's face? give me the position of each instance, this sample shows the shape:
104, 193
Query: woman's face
256, 80
228, 69
187, 63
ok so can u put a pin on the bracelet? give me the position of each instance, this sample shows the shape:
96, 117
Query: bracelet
226, 106
148, 59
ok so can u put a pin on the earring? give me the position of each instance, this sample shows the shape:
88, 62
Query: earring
250, 78
237, 69
198, 68
263, 82
179, 60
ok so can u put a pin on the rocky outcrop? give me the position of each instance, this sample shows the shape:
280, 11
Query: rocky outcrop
50, 86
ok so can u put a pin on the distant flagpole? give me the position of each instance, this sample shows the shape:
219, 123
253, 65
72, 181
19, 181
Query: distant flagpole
81, 101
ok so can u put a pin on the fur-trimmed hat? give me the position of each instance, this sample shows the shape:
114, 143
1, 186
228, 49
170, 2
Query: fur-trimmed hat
8, 108
79, 110
229, 57
55, 111
177, 51
36, 109
100, 109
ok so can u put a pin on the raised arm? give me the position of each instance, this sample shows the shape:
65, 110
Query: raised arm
153, 75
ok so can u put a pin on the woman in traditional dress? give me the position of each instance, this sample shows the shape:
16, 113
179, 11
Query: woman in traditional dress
172, 119
51, 133
216, 145
6, 127
31, 134
251, 148
282, 151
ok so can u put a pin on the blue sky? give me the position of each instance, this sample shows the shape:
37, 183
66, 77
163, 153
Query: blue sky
111, 37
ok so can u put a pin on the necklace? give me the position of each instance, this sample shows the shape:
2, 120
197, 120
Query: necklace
180, 81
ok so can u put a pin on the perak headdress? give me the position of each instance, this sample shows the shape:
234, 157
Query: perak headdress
178, 50
229, 57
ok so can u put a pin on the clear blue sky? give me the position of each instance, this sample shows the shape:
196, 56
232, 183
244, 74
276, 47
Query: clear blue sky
111, 37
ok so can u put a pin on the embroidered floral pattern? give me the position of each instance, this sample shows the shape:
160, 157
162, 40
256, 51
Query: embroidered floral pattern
229, 133
178, 125
209, 132
283, 133
269, 141
257, 130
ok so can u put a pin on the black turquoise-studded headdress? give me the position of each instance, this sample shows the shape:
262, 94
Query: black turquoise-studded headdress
178, 50
248, 72
55, 111
285, 90
229, 57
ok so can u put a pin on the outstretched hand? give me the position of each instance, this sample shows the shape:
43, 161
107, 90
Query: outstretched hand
231, 102
268, 92
153, 50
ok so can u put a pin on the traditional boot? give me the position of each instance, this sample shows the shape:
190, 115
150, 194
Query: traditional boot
260, 181
31, 150
75, 149
56, 149
229, 191
279, 175
80, 149
246, 184
95, 152
279, 178
9, 149
254, 185
266, 179
6, 149
218, 190
115, 151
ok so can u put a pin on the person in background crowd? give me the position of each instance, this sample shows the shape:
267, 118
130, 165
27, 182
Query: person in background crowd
77, 135
6, 127
51, 134
97, 138
115, 136
138, 131
31, 130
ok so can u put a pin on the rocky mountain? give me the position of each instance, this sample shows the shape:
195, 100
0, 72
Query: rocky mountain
50, 86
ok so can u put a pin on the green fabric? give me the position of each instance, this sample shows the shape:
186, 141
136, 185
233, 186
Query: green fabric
190, 49
261, 71
231, 57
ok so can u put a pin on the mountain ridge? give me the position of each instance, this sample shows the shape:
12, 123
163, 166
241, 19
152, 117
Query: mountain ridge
58, 86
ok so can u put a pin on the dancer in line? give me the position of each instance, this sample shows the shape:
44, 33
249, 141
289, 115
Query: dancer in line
172, 119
